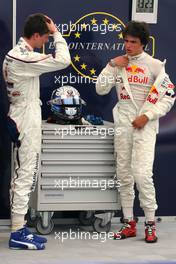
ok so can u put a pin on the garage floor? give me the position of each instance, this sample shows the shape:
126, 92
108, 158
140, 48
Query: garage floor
75, 244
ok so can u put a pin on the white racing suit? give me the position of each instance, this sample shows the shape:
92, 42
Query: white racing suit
143, 88
22, 68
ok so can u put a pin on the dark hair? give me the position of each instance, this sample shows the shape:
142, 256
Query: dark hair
139, 30
35, 23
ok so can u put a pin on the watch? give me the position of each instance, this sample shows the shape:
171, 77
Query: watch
112, 63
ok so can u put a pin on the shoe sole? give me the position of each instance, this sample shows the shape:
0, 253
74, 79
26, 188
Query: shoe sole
123, 237
152, 241
14, 248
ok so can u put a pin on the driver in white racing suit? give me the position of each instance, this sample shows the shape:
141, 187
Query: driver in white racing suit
21, 68
145, 94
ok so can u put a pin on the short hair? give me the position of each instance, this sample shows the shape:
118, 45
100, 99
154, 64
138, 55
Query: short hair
137, 29
35, 23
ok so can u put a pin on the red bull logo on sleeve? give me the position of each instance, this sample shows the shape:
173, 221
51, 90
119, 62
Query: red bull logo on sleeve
171, 86
153, 95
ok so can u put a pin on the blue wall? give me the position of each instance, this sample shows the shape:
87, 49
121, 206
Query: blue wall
116, 12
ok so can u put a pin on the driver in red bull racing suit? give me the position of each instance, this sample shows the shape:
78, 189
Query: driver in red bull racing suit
145, 94
21, 68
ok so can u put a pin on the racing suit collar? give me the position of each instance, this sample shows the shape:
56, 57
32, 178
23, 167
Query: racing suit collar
139, 56
27, 46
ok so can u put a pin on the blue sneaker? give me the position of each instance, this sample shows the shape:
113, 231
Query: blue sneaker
37, 238
19, 240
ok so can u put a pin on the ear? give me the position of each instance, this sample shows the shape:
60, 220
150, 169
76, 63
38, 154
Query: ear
36, 36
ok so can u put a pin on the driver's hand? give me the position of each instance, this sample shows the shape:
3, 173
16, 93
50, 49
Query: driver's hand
50, 24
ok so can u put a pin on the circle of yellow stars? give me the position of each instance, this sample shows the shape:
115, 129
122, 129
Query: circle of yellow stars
77, 35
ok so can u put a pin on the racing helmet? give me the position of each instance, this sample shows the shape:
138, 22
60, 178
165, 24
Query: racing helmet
66, 103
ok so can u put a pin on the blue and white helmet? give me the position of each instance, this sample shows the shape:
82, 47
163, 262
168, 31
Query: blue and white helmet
66, 103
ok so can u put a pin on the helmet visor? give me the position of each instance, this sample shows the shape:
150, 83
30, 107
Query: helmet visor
71, 101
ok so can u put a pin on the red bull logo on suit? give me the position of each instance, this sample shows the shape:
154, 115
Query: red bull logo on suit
135, 69
136, 73
123, 94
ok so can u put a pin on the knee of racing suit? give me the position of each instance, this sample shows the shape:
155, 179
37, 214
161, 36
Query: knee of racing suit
145, 186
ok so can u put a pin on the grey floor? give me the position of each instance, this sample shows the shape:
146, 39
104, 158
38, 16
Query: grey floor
75, 244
